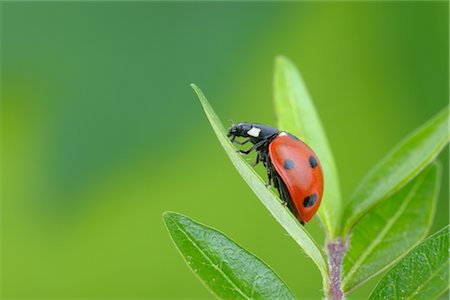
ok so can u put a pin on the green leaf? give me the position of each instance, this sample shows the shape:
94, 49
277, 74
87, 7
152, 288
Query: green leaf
422, 274
227, 269
296, 114
267, 196
390, 230
401, 165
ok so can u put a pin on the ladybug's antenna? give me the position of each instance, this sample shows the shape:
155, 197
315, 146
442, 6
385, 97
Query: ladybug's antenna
231, 122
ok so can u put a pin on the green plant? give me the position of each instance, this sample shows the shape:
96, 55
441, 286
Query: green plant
381, 227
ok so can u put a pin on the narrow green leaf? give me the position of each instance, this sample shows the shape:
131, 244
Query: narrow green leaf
391, 229
401, 165
227, 269
296, 114
422, 274
267, 196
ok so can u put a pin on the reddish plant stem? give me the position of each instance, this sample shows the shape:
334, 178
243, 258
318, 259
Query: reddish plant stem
336, 250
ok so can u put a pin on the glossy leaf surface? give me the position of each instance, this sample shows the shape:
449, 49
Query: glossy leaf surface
421, 274
227, 269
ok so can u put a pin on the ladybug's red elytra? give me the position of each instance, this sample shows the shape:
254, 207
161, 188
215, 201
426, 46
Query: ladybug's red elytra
291, 165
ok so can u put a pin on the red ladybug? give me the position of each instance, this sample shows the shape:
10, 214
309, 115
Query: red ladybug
291, 165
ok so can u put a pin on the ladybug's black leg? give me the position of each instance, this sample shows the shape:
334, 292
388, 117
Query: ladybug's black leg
284, 194
241, 143
246, 151
269, 171
255, 146
275, 182
279, 185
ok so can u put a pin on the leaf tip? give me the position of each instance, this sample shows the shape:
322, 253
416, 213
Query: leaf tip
281, 60
169, 215
199, 92
196, 89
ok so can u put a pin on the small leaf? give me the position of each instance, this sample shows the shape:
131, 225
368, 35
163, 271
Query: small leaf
422, 274
267, 196
401, 165
296, 114
227, 269
391, 229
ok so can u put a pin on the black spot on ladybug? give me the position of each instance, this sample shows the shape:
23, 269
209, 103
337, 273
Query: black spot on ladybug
292, 136
312, 162
289, 164
310, 200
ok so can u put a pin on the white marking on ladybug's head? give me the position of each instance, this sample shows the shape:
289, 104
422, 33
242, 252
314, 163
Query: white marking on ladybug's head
254, 132
283, 133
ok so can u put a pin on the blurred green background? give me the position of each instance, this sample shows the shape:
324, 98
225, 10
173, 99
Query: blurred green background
101, 132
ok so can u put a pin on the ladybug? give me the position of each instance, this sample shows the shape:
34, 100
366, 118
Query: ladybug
291, 165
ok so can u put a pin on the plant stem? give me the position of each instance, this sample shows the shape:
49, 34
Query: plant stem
336, 250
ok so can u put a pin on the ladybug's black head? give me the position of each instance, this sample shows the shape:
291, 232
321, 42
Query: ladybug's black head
254, 131
240, 129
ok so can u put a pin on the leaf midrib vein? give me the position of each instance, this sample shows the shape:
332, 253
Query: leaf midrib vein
382, 233
212, 263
